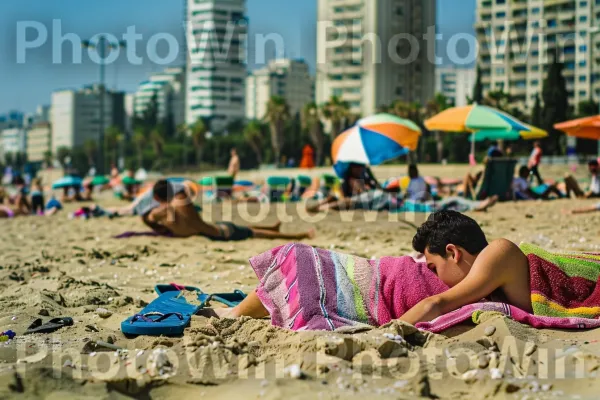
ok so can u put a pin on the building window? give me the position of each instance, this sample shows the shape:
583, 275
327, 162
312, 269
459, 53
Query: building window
501, 14
583, 78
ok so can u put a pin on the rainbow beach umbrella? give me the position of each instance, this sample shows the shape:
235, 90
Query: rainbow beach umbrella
486, 123
584, 128
374, 140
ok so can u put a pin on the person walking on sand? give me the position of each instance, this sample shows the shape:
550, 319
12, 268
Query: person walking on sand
534, 163
234, 164
177, 216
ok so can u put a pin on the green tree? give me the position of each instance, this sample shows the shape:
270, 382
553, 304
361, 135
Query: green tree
157, 140
278, 114
61, 155
112, 139
253, 134
183, 135
536, 113
48, 158
198, 131
556, 104
477, 89
587, 108
336, 111
139, 142
9, 159
311, 121
150, 114
90, 148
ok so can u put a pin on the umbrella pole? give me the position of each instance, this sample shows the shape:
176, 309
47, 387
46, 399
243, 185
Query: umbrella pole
472, 160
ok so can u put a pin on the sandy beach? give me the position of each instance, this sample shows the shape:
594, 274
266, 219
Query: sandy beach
55, 266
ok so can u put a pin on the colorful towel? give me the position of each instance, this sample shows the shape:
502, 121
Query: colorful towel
564, 284
472, 311
305, 288
564, 294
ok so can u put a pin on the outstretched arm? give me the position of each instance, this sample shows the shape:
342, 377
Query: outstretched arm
496, 267
585, 210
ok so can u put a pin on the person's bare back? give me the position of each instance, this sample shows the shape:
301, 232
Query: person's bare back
234, 164
181, 218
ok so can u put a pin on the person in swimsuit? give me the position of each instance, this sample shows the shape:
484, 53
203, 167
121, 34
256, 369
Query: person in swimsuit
37, 197
177, 216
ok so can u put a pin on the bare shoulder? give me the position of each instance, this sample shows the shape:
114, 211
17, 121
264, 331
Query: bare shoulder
503, 250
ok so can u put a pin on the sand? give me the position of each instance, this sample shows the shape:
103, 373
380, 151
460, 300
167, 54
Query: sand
54, 267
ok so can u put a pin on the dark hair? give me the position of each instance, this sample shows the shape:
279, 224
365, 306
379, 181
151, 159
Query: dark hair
163, 190
523, 171
593, 163
449, 227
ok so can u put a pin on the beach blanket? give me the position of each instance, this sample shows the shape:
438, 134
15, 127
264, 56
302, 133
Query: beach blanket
306, 288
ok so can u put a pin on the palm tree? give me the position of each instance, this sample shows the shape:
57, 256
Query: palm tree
311, 121
336, 111
90, 148
183, 134
198, 132
48, 158
112, 138
139, 141
254, 137
157, 139
434, 107
278, 114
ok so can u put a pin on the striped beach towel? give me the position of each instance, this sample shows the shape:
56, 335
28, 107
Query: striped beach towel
306, 288
564, 284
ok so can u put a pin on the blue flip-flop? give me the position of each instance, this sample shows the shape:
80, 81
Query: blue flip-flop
229, 299
168, 315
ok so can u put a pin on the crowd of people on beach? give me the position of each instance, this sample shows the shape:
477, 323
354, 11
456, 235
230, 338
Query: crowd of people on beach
357, 188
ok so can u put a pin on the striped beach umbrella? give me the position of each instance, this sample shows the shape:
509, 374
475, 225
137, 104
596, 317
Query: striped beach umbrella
584, 128
486, 123
374, 140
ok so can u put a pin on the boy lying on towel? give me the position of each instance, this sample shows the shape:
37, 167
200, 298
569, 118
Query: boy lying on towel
177, 216
458, 253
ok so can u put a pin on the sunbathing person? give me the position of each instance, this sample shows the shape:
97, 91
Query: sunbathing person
177, 216
361, 191
593, 191
458, 252
522, 190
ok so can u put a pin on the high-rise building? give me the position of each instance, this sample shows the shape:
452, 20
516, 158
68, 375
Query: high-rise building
76, 115
373, 52
287, 78
216, 62
455, 83
12, 119
169, 89
13, 141
518, 38
39, 142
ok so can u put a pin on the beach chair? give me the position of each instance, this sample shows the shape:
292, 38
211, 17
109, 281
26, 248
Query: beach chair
330, 184
277, 187
302, 185
216, 188
497, 179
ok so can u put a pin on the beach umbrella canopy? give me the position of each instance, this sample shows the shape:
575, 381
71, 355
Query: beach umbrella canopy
374, 140
100, 180
486, 123
67, 181
584, 128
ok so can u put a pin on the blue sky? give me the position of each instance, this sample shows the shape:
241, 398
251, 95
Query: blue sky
24, 86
